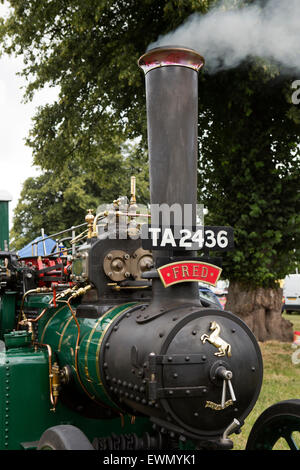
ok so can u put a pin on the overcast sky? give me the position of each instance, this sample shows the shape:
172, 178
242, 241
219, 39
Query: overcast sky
15, 122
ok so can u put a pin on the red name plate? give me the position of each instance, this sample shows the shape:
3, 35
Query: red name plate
186, 271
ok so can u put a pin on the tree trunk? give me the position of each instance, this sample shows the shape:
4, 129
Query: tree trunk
260, 309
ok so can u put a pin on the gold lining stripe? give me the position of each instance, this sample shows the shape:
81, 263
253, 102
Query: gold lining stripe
63, 332
90, 338
49, 321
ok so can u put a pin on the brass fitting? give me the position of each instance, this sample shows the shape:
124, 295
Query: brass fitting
81, 291
89, 218
55, 380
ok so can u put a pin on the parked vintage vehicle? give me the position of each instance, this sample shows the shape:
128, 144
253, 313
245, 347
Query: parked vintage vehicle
291, 293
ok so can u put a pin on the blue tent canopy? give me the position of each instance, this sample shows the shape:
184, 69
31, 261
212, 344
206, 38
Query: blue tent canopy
26, 251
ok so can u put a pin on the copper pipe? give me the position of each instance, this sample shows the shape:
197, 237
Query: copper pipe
77, 348
76, 360
52, 399
34, 320
31, 291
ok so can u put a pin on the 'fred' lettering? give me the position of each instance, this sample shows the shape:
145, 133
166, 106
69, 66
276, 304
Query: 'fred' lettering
185, 271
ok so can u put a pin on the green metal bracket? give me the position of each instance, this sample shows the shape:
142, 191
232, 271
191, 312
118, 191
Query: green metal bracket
5, 197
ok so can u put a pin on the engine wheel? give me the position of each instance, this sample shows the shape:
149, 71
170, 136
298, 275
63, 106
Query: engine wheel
64, 437
278, 422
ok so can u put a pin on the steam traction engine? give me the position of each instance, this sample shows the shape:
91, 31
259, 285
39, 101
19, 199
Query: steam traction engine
111, 348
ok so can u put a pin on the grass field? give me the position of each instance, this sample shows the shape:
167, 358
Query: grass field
281, 382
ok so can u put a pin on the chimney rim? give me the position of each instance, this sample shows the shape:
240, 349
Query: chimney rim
166, 56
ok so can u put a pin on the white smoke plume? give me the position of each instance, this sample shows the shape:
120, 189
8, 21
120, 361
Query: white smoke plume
227, 35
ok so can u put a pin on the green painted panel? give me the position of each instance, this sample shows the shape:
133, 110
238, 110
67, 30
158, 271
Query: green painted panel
4, 226
25, 407
7, 313
60, 331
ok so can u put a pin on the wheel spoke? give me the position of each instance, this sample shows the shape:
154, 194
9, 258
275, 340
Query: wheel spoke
291, 442
277, 427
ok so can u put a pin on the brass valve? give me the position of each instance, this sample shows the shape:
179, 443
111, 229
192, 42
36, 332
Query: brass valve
55, 380
81, 291
89, 218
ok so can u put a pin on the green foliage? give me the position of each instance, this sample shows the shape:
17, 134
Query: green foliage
250, 169
59, 199
89, 50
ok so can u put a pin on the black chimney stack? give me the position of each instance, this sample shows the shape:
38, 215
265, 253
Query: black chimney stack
172, 115
171, 76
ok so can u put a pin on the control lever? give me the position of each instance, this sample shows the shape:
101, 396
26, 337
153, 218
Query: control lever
226, 375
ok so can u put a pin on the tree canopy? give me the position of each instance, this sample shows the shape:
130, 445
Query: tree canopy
59, 199
250, 171
89, 50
